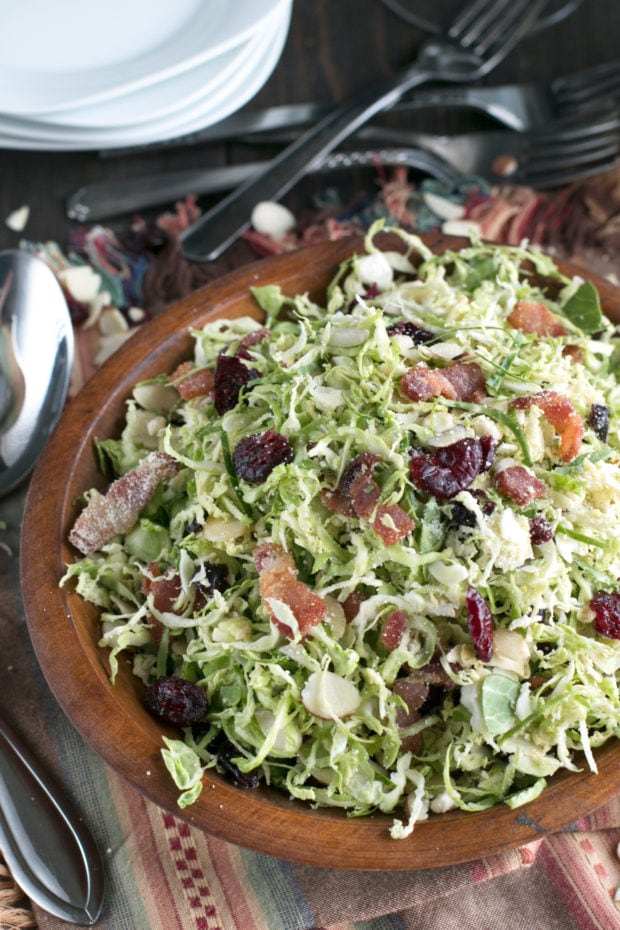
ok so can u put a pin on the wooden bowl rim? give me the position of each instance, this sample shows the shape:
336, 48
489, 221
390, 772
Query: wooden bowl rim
63, 628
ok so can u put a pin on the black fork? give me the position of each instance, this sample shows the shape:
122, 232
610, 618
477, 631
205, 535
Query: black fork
483, 34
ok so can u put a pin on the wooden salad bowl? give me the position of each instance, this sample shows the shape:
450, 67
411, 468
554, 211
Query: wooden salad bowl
111, 718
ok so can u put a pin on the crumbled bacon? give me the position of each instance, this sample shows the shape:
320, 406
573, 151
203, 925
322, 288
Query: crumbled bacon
535, 318
574, 353
520, 485
459, 381
393, 629
192, 382
392, 524
561, 414
358, 495
118, 510
468, 381
421, 383
278, 581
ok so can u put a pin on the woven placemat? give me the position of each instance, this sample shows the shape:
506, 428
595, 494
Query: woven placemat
15, 910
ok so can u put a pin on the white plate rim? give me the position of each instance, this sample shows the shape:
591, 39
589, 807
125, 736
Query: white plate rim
26, 93
199, 116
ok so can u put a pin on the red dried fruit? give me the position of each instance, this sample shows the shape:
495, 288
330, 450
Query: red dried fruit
598, 421
225, 751
357, 473
176, 701
606, 607
231, 375
444, 473
352, 604
417, 335
480, 624
256, 456
541, 530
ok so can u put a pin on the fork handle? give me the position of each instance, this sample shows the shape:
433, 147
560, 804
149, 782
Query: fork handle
103, 199
218, 228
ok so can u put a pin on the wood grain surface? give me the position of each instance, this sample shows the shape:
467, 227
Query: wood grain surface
334, 48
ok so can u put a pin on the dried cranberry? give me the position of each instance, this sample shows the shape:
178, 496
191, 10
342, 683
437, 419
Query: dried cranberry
256, 456
231, 375
357, 473
606, 607
541, 531
488, 446
225, 751
451, 469
462, 515
598, 420
479, 624
372, 291
176, 701
487, 506
406, 328
214, 578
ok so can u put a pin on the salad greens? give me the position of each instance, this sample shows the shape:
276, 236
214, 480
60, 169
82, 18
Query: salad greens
322, 713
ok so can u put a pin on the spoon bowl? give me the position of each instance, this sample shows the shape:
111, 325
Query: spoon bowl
36, 355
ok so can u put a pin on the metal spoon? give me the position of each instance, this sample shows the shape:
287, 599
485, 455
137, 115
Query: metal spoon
49, 851
36, 354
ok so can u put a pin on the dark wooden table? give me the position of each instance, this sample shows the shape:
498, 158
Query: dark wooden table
334, 48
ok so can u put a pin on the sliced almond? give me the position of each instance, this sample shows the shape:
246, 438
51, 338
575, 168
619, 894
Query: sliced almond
330, 696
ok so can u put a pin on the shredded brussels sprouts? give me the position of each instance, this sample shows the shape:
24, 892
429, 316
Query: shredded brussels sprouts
326, 713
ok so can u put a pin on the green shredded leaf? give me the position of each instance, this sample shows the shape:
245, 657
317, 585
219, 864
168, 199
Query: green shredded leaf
583, 309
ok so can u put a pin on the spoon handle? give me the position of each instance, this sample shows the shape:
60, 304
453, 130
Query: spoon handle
49, 852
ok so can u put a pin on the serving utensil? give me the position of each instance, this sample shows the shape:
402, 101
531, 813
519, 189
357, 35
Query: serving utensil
560, 155
47, 848
49, 851
36, 353
481, 36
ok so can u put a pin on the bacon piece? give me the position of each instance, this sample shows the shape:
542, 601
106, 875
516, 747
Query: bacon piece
520, 485
459, 381
468, 381
574, 353
535, 318
352, 604
422, 383
278, 581
193, 382
358, 495
164, 588
561, 414
118, 510
392, 523
337, 503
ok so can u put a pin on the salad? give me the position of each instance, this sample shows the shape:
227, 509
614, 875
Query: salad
367, 551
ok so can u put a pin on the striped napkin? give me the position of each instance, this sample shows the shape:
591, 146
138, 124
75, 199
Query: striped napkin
165, 875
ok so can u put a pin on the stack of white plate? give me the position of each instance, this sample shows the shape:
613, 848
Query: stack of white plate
80, 75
